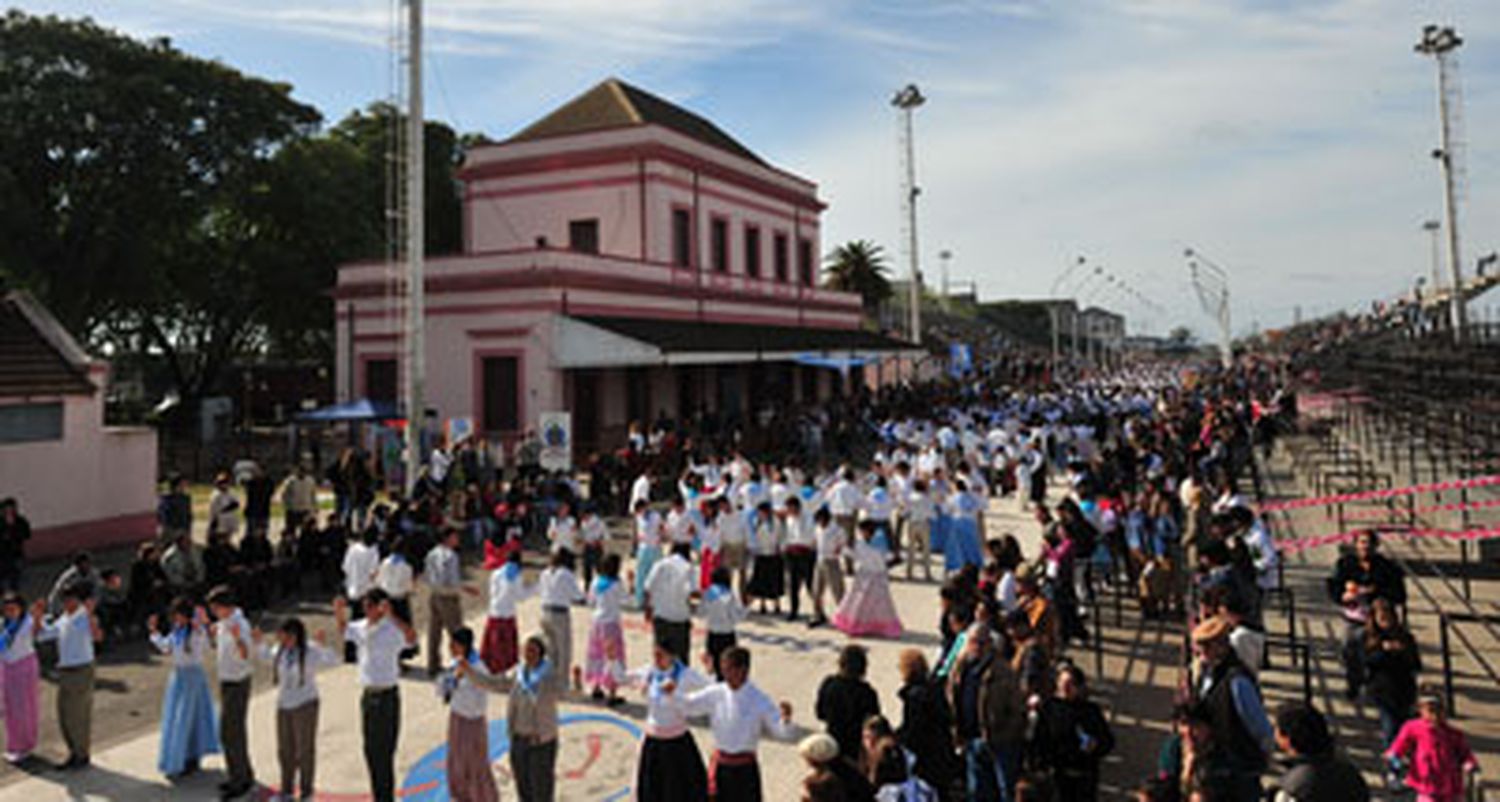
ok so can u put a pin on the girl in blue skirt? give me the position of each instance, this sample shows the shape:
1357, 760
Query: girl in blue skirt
963, 546
189, 729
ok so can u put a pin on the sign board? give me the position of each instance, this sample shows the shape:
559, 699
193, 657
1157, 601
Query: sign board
557, 440
459, 429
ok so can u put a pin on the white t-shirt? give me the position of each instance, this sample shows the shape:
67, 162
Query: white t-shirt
379, 649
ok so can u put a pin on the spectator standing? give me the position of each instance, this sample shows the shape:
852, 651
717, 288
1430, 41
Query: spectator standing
1072, 738
1234, 706
174, 510
258, 492
926, 723
1392, 662
223, 508
1359, 579
1315, 770
299, 498
845, 700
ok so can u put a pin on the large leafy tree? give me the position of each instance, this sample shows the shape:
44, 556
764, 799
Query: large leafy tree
126, 169
175, 209
859, 266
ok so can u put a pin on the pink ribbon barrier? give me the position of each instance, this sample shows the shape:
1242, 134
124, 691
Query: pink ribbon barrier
1293, 546
1380, 514
1376, 495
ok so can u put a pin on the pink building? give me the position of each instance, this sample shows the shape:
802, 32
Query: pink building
81, 483
623, 258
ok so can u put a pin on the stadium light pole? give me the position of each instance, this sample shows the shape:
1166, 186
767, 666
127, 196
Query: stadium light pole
1055, 317
1211, 283
1440, 42
906, 101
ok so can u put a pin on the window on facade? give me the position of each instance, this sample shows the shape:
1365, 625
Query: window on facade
501, 393
805, 262
380, 380
682, 238
718, 244
31, 423
779, 255
583, 235
752, 251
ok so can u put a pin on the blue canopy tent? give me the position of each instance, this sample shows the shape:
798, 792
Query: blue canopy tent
356, 411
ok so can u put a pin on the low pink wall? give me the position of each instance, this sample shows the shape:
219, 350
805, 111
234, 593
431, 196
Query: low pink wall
95, 483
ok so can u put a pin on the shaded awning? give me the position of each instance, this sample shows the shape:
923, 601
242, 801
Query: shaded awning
360, 410
596, 342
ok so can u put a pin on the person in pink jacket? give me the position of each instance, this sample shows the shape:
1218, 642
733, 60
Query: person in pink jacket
1436, 753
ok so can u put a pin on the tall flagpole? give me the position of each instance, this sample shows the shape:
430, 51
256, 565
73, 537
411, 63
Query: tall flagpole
416, 369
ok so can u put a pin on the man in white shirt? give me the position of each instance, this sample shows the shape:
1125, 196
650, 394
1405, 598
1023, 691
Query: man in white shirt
667, 591
233, 642
844, 500
738, 713
396, 577
562, 530
640, 489
378, 639
76, 631
443, 575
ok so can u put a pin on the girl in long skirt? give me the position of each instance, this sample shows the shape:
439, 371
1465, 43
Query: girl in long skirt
189, 729
294, 666
963, 546
867, 609
21, 674
670, 767
469, 775
606, 647
648, 535
767, 570
499, 651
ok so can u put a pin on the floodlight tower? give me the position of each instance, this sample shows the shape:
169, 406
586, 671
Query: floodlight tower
906, 101
1056, 313
1440, 42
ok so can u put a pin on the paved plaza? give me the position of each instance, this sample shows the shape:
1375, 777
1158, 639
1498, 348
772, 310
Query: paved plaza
1140, 661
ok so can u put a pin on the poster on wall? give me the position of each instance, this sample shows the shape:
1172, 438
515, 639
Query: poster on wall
459, 429
557, 440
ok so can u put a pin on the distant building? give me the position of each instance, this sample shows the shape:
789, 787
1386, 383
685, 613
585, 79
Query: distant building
81, 483
624, 258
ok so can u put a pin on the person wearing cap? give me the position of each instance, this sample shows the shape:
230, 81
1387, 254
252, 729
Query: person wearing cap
738, 713
223, 508
822, 755
1316, 771
1233, 702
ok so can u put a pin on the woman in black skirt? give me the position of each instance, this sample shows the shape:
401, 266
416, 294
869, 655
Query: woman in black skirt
670, 768
767, 569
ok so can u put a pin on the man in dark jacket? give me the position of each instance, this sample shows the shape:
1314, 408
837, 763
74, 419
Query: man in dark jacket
845, 700
1233, 703
174, 511
990, 714
1315, 769
1358, 579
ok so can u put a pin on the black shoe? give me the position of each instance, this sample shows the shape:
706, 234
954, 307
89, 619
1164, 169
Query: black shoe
816, 621
597, 695
235, 791
791, 616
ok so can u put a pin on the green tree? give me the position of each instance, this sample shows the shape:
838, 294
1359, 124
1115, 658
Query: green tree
859, 266
124, 168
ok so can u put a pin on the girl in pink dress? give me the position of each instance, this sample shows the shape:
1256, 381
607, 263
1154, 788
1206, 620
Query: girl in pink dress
867, 609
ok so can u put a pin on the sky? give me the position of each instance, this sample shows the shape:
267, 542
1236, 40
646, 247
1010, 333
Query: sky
1287, 140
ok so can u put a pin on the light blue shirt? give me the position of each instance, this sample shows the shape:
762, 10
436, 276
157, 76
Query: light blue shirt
74, 636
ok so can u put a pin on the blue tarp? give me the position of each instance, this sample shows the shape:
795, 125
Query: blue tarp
361, 410
835, 362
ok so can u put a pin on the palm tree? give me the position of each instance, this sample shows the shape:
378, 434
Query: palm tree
859, 266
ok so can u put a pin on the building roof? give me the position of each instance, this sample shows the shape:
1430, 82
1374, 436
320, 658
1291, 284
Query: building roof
616, 104
689, 336
37, 357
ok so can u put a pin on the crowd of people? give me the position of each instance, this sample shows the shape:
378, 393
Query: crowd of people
1135, 483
